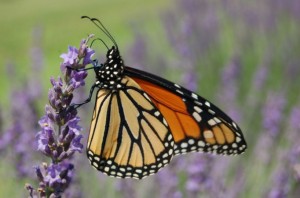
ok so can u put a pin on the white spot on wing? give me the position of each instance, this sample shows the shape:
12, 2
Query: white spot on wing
207, 103
165, 155
191, 141
217, 120
201, 143
176, 85
196, 108
211, 111
197, 116
184, 145
120, 174
234, 125
177, 90
165, 122
212, 122
146, 96
195, 96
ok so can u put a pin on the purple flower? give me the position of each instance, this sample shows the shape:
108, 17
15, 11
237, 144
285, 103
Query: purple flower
229, 89
280, 184
127, 188
138, 51
87, 58
168, 182
54, 177
272, 113
59, 137
294, 139
294, 119
199, 178
21, 132
260, 77
272, 117
189, 80
70, 57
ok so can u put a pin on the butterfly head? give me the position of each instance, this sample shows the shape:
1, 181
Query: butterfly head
110, 72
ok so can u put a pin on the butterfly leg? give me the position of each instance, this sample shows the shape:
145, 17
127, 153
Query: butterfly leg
94, 63
75, 106
78, 70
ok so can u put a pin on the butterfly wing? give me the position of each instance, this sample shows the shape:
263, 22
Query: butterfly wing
196, 124
128, 136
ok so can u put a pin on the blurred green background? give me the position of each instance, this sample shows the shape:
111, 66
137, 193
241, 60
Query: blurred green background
60, 26
244, 56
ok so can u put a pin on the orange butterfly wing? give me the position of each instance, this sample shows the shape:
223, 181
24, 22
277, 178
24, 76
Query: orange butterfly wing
173, 109
195, 123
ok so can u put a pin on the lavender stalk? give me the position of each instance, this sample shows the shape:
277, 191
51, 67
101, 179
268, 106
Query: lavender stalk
60, 136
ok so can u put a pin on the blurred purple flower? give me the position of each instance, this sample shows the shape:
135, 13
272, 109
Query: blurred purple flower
1, 122
200, 179
280, 185
60, 136
168, 182
272, 113
19, 135
236, 190
189, 79
294, 139
187, 25
138, 52
294, 119
229, 88
23, 110
126, 188
272, 118
260, 77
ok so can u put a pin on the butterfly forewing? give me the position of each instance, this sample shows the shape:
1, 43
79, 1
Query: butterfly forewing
129, 137
195, 123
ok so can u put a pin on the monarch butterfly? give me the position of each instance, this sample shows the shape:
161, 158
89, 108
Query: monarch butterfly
140, 121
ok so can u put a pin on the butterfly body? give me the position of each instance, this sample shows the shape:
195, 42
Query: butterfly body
110, 73
140, 121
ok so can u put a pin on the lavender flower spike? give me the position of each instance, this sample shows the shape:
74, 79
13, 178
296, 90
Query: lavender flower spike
60, 136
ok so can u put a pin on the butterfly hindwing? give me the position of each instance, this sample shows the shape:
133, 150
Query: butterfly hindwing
196, 124
129, 137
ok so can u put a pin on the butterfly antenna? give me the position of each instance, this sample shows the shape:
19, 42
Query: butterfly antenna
99, 39
102, 28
